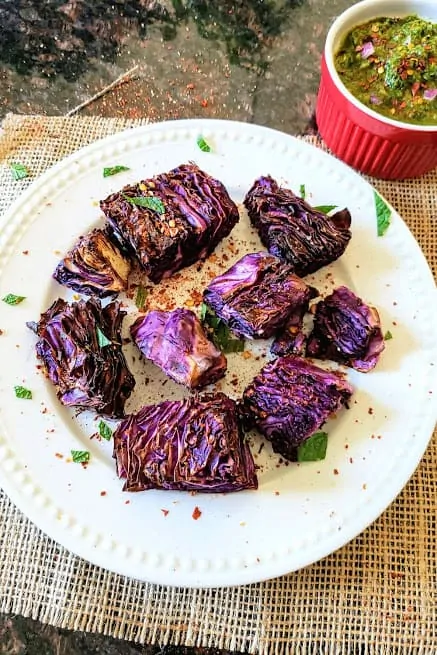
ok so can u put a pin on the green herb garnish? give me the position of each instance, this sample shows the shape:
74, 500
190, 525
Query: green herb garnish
80, 456
105, 431
151, 202
113, 170
203, 144
302, 191
102, 340
12, 299
325, 209
219, 333
383, 214
203, 311
388, 335
22, 392
19, 171
314, 448
140, 297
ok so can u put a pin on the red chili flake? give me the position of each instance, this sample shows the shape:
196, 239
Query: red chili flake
190, 86
165, 511
336, 471
351, 461
277, 493
196, 297
204, 103
379, 436
370, 410
346, 445
103, 493
127, 502
25, 252
59, 455
196, 513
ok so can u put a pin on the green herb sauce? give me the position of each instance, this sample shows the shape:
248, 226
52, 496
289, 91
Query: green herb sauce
390, 65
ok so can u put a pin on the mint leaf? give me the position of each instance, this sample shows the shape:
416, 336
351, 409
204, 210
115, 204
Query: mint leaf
388, 335
151, 202
203, 144
105, 431
101, 339
325, 209
219, 333
314, 448
12, 299
19, 171
383, 214
302, 191
203, 311
22, 392
140, 297
80, 456
233, 346
113, 170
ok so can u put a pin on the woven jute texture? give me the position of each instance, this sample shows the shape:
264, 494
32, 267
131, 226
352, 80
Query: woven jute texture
376, 596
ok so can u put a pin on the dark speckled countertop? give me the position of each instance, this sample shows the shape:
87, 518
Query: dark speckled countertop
249, 60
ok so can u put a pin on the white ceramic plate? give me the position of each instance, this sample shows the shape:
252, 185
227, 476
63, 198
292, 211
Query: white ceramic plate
300, 513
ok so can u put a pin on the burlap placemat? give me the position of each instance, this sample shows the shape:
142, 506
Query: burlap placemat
376, 596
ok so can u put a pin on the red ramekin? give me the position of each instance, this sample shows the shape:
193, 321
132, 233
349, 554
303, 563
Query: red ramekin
361, 137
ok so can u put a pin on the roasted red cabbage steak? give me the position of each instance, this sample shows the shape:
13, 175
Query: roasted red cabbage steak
194, 444
258, 295
94, 266
175, 341
346, 330
291, 229
171, 220
79, 345
290, 399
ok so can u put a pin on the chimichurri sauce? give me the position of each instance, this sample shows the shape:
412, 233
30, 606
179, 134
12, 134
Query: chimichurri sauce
390, 65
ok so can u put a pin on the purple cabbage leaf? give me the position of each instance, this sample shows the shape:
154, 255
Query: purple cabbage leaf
171, 220
293, 230
175, 341
290, 341
94, 266
258, 295
346, 330
290, 399
194, 444
79, 345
